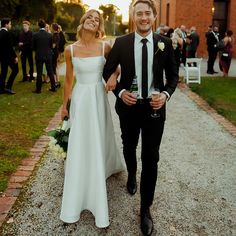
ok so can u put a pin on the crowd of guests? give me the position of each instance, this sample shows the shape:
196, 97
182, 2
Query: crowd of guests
48, 44
185, 43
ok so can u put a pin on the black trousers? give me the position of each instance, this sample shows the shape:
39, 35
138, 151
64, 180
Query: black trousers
137, 119
212, 54
39, 68
3, 75
27, 55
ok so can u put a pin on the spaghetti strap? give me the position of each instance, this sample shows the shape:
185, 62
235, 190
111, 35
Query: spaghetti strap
71, 50
103, 48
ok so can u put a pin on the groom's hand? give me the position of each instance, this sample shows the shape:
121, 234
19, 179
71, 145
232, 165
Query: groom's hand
128, 98
158, 102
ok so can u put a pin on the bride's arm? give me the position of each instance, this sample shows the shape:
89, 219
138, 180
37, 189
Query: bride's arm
112, 81
69, 79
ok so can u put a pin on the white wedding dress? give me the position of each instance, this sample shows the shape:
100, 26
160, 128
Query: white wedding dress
92, 151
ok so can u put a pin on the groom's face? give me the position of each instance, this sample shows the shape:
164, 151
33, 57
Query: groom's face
143, 18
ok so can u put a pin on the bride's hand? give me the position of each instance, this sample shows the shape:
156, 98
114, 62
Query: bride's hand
111, 83
64, 113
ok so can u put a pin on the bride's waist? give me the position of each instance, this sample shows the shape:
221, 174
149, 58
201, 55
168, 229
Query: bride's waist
88, 82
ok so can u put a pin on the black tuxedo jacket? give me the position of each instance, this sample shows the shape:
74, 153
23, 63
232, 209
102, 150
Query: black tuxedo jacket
211, 42
42, 45
122, 54
7, 52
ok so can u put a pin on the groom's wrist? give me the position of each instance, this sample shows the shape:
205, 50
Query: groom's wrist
120, 93
167, 95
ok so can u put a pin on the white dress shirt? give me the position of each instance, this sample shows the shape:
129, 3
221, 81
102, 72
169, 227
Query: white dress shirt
138, 64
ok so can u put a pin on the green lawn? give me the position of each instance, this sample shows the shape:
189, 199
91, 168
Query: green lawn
220, 93
23, 118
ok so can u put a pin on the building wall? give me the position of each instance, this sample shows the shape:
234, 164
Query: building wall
232, 22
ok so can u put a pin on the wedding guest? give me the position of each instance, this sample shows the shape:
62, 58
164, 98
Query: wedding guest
212, 40
26, 52
194, 42
62, 43
183, 51
55, 52
92, 154
226, 53
177, 43
8, 58
42, 44
143, 57
44, 74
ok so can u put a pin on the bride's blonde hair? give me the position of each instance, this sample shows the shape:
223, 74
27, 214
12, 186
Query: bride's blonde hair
100, 33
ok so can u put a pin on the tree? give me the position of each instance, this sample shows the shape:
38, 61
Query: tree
25, 9
113, 21
69, 14
7, 7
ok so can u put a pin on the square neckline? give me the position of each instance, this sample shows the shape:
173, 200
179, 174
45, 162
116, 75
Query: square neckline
72, 55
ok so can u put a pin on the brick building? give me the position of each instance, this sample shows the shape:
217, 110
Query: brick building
199, 13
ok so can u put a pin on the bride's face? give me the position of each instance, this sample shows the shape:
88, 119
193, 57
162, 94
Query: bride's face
92, 22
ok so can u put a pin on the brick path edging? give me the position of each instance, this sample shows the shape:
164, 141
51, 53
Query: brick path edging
205, 106
24, 170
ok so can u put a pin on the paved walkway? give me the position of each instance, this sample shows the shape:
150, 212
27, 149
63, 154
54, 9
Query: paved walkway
195, 193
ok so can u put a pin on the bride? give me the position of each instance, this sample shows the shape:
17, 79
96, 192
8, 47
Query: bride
92, 154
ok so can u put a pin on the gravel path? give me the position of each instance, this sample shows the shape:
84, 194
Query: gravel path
195, 193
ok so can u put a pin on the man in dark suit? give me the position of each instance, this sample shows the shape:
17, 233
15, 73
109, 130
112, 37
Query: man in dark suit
42, 44
7, 58
25, 46
143, 55
212, 40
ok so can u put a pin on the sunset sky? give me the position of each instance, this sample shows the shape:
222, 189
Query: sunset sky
123, 5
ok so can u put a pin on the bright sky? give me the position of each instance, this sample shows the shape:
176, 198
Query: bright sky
123, 5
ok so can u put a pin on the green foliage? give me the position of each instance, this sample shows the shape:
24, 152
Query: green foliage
7, 8
32, 10
69, 14
220, 93
113, 22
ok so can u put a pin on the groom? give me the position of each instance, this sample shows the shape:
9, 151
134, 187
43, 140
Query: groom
145, 56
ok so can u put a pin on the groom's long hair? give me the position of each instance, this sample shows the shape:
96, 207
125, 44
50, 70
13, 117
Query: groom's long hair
100, 33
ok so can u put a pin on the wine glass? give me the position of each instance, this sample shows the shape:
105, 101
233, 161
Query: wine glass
155, 95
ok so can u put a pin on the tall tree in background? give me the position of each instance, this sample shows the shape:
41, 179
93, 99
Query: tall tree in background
7, 7
28, 9
113, 21
69, 14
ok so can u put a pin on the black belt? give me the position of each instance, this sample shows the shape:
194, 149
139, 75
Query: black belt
143, 101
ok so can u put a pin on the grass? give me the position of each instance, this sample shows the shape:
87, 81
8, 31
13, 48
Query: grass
23, 118
220, 93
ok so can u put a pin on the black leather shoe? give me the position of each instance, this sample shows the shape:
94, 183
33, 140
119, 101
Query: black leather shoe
36, 91
132, 184
9, 91
146, 222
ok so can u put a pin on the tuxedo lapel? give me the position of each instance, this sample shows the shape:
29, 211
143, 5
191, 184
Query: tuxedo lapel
156, 55
130, 53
